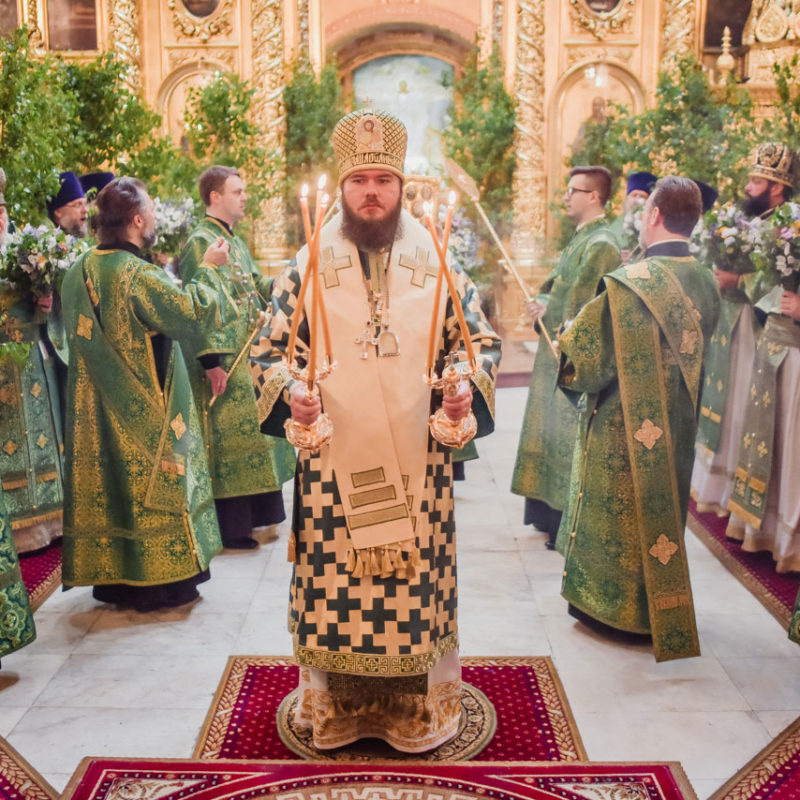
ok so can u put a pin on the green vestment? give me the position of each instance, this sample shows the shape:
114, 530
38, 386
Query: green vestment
30, 430
16, 619
544, 456
138, 507
717, 369
636, 352
241, 460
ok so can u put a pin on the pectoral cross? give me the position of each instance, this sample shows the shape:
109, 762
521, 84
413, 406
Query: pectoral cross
367, 338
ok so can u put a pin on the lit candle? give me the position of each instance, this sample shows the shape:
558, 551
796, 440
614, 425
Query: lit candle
316, 298
306, 215
451, 287
436, 295
323, 314
451, 203
323, 179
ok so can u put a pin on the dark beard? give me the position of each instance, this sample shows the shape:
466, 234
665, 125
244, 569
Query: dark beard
756, 205
371, 234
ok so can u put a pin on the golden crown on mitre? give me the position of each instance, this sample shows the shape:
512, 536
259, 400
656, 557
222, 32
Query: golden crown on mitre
366, 139
775, 162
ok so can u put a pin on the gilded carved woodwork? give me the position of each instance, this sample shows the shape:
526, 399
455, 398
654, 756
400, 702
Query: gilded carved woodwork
679, 31
188, 26
601, 24
771, 21
270, 117
123, 17
498, 11
579, 54
530, 184
223, 56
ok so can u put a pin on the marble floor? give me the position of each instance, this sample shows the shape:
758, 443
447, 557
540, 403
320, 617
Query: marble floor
118, 683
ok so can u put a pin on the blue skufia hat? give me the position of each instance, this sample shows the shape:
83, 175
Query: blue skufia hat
708, 193
96, 181
70, 190
641, 182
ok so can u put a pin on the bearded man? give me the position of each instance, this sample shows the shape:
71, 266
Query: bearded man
374, 586
765, 503
139, 520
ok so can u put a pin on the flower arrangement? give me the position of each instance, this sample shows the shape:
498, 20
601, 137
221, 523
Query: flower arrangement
174, 220
779, 255
731, 241
35, 260
632, 224
464, 244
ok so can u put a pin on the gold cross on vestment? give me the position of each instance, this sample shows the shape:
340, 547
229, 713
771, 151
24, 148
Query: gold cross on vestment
329, 264
419, 266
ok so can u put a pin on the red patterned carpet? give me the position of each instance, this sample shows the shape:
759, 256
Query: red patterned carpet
755, 570
534, 722
774, 774
41, 573
112, 779
19, 780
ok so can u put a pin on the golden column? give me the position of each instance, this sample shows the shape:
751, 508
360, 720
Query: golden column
123, 31
530, 182
680, 31
270, 118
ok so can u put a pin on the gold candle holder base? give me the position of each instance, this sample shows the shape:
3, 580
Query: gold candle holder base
311, 437
446, 431
452, 433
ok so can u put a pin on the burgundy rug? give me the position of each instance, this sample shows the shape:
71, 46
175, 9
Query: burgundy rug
41, 573
777, 593
120, 779
774, 774
534, 721
19, 780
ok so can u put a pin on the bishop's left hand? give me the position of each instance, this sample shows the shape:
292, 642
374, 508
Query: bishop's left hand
218, 379
790, 305
458, 405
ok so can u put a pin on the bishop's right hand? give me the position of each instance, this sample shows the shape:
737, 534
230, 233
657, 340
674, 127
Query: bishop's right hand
305, 409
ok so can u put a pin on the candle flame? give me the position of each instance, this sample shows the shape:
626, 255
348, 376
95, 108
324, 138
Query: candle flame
426, 207
451, 199
323, 179
304, 190
326, 198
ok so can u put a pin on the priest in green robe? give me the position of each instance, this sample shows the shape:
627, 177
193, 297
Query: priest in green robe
139, 521
247, 468
373, 601
31, 439
633, 361
544, 455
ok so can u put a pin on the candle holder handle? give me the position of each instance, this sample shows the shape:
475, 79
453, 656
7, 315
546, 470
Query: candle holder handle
319, 433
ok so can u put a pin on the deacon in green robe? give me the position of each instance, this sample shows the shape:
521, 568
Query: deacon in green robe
247, 468
16, 618
636, 353
544, 455
139, 521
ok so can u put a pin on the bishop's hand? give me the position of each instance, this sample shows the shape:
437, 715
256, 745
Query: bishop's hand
218, 379
305, 409
458, 405
790, 305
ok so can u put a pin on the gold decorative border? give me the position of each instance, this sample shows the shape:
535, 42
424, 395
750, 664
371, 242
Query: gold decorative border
742, 574
218, 23
601, 23
758, 771
22, 776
